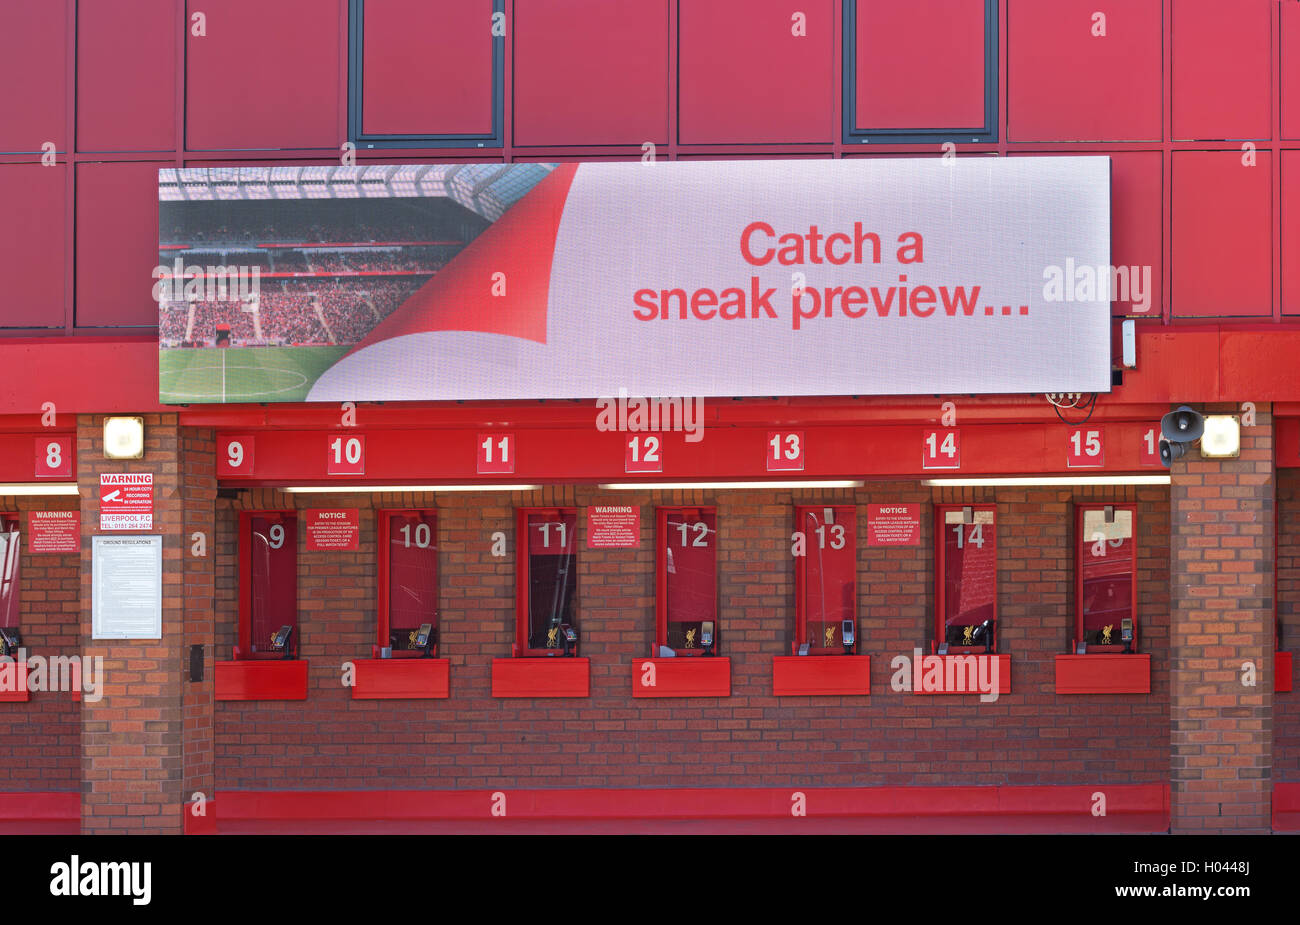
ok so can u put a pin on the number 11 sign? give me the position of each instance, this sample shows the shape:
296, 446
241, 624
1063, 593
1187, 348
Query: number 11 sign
496, 454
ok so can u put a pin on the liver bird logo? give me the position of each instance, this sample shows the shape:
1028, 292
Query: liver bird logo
690, 639
1105, 634
830, 637
967, 634
551, 642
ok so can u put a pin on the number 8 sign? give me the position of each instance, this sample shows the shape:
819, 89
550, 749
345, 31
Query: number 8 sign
54, 457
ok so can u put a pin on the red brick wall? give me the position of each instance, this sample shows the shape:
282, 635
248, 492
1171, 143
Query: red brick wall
1286, 707
42, 737
472, 740
132, 740
1221, 729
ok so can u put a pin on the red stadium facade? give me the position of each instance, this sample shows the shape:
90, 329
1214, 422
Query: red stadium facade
910, 610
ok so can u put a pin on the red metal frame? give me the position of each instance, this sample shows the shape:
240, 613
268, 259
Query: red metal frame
1081, 546
382, 628
677, 677
244, 648
522, 583
821, 675
661, 579
940, 581
801, 577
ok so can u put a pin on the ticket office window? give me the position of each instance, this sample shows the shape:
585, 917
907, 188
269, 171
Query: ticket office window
687, 574
408, 583
826, 583
10, 564
547, 582
269, 580
967, 578
1106, 578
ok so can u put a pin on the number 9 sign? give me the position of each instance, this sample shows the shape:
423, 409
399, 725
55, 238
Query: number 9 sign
235, 455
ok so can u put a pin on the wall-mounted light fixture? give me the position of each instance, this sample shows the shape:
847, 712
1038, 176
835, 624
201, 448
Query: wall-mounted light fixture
1222, 437
123, 438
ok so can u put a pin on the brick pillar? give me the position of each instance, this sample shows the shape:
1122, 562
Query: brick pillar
1222, 573
198, 479
147, 743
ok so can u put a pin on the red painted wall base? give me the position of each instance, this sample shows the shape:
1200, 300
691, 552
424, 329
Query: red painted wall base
1130, 808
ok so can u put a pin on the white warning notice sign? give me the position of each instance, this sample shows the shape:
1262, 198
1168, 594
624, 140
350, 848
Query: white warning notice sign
126, 501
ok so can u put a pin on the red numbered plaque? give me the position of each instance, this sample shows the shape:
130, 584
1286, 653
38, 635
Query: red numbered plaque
345, 454
496, 454
235, 455
643, 453
54, 457
1150, 447
785, 451
941, 449
1084, 448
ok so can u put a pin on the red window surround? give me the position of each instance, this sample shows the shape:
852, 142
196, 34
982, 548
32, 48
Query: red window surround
825, 578
966, 578
408, 580
1105, 594
1105, 576
686, 577
546, 580
10, 570
268, 582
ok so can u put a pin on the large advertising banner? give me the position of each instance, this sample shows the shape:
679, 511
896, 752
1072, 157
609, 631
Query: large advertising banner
872, 276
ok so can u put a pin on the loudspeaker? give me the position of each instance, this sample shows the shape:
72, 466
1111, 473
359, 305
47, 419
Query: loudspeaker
1171, 451
1182, 426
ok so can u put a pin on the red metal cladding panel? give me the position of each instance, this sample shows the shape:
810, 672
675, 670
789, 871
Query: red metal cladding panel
920, 65
401, 679
1222, 235
266, 75
427, 67
681, 677
1290, 70
34, 74
126, 75
1290, 202
117, 244
1221, 69
590, 72
821, 675
1137, 231
541, 677
1103, 673
270, 680
1282, 677
745, 77
33, 245
1109, 69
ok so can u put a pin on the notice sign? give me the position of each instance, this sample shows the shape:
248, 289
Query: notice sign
893, 524
612, 527
53, 531
339, 529
126, 580
126, 501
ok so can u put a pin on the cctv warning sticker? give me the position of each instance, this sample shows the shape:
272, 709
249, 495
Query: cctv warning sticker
126, 501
